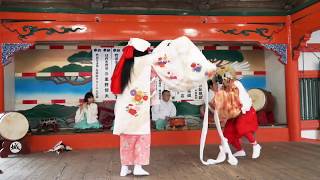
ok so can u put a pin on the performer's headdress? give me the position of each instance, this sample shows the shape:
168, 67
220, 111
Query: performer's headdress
229, 72
226, 72
128, 53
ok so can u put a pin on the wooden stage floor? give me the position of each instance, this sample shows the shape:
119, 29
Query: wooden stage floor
278, 161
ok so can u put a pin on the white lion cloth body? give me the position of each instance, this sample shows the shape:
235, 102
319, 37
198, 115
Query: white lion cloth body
180, 65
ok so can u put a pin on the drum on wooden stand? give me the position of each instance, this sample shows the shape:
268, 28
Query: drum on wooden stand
13, 128
263, 103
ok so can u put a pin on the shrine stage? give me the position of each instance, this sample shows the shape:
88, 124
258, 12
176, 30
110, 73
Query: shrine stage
281, 160
102, 140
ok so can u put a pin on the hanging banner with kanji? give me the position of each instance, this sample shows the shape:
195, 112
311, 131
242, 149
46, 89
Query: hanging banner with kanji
104, 61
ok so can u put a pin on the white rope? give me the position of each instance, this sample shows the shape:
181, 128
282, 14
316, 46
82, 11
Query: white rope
205, 127
224, 142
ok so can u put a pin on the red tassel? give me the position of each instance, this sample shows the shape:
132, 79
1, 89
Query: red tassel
116, 76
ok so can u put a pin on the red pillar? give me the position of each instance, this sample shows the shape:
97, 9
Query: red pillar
292, 90
1, 82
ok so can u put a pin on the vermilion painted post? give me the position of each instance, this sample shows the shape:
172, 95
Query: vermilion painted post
292, 90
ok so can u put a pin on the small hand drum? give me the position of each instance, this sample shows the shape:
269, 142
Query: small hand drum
177, 122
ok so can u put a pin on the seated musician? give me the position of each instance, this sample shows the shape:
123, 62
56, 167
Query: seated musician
87, 114
163, 111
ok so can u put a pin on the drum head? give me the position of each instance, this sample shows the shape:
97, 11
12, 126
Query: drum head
13, 126
258, 98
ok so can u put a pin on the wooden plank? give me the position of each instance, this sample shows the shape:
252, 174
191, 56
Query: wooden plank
277, 161
300, 164
31, 170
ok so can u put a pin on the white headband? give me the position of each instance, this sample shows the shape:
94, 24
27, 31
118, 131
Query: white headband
139, 44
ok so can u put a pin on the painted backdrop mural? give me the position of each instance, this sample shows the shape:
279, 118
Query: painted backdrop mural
50, 83
249, 65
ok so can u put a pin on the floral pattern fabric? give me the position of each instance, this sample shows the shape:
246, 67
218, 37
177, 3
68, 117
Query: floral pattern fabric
135, 149
178, 63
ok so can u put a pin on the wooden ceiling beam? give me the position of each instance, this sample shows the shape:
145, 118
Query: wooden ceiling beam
153, 4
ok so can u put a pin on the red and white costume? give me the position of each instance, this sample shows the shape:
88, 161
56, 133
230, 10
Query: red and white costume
242, 119
234, 105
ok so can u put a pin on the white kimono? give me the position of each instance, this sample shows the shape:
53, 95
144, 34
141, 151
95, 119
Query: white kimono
91, 112
132, 108
178, 63
163, 110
